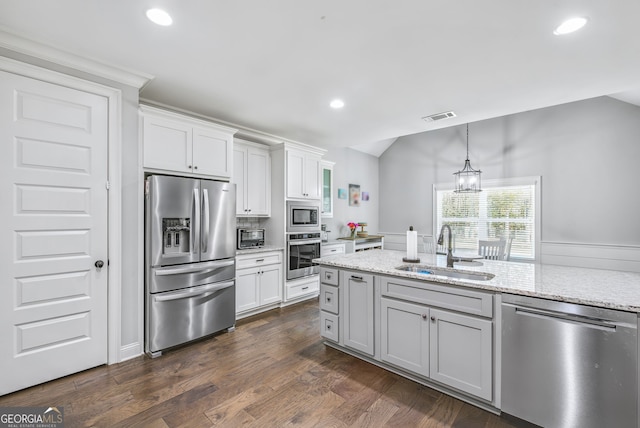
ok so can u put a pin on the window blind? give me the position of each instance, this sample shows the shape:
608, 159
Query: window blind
499, 211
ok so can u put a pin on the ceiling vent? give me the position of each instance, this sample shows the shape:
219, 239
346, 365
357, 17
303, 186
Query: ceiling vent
439, 116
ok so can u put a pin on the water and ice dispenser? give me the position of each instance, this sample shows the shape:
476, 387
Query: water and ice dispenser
176, 234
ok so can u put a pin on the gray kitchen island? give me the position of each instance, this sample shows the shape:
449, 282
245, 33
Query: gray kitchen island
481, 332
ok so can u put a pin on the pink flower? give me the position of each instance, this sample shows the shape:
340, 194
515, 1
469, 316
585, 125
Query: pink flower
352, 225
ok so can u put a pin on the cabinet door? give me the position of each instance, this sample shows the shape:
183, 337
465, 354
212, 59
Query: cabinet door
247, 290
240, 179
404, 335
327, 188
212, 152
295, 174
358, 311
312, 187
270, 284
258, 182
167, 144
460, 352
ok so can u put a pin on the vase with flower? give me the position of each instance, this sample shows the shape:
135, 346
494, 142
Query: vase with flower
352, 226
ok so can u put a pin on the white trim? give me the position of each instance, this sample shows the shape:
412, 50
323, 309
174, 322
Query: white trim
613, 257
39, 50
130, 351
114, 143
141, 244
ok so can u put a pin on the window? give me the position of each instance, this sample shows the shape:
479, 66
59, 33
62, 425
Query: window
505, 208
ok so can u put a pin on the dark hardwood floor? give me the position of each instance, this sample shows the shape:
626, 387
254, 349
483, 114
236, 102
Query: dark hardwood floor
273, 371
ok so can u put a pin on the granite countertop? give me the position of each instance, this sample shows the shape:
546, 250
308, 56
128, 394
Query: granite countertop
259, 250
595, 287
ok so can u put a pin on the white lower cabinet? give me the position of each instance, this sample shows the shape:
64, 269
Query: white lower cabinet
404, 335
258, 282
461, 352
302, 287
357, 317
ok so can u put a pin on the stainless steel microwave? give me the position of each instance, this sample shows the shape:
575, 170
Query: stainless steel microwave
303, 216
250, 238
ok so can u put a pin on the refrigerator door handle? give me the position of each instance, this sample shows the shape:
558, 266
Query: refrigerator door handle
195, 215
195, 268
196, 292
205, 220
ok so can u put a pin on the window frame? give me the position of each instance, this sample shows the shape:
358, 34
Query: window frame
536, 181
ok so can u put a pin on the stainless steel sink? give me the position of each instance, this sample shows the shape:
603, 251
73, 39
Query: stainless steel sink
428, 270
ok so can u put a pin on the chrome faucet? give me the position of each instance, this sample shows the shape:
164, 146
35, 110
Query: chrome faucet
449, 249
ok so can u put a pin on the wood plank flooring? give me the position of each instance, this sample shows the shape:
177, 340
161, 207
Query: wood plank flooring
272, 371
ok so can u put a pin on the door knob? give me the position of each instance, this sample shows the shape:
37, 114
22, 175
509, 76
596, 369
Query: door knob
99, 264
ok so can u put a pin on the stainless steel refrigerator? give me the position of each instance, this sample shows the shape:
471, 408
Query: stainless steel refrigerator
190, 248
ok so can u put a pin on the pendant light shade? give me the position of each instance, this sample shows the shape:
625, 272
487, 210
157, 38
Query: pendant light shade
467, 180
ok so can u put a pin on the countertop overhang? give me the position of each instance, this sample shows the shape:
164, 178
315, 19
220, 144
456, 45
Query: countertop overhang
595, 287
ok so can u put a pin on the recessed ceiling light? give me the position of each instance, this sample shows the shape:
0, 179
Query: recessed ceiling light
159, 16
336, 104
570, 25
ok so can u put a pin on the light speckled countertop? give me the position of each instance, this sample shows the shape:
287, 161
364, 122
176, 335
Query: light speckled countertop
259, 250
595, 287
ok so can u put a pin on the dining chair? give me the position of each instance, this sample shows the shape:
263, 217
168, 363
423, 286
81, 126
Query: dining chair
492, 250
507, 248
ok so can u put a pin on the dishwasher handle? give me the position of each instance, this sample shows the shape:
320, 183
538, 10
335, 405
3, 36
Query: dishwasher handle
204, 291
575, 319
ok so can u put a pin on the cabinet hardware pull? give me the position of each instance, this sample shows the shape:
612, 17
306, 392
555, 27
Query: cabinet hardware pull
195, 167
357, 278
424, 316
328, 276
305, 288
328, 327
189, 166
432, 318
328, 299
259, 260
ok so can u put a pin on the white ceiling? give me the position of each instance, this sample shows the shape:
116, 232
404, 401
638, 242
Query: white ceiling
275, 65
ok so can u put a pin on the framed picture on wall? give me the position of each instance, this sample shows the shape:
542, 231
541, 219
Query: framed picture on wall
354, 195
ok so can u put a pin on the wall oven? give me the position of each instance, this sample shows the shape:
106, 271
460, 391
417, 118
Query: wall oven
303, 216
302, 248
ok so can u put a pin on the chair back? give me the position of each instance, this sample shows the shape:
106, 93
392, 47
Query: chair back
492, 250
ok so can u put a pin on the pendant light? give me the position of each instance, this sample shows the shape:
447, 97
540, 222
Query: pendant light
467, 180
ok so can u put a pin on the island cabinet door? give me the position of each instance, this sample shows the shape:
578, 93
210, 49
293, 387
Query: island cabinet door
404, 335
358, 311
460, 352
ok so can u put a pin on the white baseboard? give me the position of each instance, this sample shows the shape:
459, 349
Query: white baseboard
130, 351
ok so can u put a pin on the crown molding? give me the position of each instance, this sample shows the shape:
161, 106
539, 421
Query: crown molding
45, 52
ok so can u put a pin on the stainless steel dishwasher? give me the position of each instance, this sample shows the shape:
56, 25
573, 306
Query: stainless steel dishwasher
567, 365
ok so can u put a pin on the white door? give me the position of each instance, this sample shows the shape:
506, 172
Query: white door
53, 170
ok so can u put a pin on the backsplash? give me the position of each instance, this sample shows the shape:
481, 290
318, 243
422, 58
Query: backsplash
249, 222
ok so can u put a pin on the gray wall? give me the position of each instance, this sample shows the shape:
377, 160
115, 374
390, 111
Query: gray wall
353, 167
586, 152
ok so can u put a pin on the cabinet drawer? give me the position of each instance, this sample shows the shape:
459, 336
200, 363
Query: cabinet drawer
329, 276
329, 326
331, 249
260, 259
301, 289
329, 298
449, 297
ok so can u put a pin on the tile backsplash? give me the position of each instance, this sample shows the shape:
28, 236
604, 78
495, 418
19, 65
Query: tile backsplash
249, 222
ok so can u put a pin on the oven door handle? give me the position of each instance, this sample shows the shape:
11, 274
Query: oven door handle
305, 242
203, 291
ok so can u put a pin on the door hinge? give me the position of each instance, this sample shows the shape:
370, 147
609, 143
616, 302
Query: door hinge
107, 185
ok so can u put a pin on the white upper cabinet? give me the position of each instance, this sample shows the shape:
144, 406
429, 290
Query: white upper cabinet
180, 144
252, 176
303, 175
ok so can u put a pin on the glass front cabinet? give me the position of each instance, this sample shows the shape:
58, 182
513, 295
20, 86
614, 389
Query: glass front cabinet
327, 188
